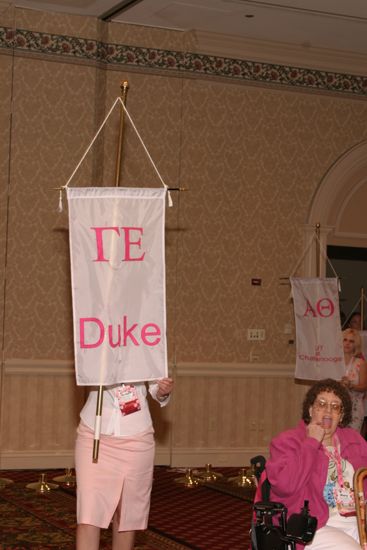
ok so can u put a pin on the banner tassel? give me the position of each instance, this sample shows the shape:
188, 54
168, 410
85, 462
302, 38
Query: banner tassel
60, 206
170, 202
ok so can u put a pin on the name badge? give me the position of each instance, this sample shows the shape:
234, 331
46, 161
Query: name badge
128, 400
345, 502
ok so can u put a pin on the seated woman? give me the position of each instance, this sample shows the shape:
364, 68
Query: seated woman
315, 461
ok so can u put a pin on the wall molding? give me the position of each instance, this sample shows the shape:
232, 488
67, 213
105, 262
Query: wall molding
181, 458
13, 460
280, 53
235, 370
338, 183
62, 367
193, 447
45, 367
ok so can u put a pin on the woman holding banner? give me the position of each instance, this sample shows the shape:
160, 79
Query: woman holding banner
315, 461
355, 378
117, 487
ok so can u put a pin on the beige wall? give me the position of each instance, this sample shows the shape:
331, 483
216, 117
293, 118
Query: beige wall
251, 157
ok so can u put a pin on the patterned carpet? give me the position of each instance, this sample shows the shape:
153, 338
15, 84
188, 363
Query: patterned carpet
180, 518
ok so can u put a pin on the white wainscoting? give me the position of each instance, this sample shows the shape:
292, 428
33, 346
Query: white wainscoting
222, 414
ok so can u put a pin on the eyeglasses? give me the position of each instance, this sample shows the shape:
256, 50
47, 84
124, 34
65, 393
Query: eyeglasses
323, 405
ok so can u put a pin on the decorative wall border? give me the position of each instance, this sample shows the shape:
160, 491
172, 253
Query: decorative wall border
186, 63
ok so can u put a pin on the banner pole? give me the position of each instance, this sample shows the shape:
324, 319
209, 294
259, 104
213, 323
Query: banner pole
124, 87
362, 308
97, 425
318, 250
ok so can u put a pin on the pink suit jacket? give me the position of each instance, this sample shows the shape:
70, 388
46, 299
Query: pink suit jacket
297, 468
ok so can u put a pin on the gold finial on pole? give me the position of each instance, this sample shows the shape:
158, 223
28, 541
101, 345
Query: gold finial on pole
124, 87
318, 249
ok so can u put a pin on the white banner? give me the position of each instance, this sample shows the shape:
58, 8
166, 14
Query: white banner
319, 343
118, 284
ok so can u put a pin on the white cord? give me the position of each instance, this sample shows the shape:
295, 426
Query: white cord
118, 99
326, 258
314, 236
90, 145
304, 254
146, 150
357, 305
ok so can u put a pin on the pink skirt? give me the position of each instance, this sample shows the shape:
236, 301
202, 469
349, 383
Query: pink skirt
120, 482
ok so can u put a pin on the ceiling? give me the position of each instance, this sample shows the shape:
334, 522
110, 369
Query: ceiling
331, 24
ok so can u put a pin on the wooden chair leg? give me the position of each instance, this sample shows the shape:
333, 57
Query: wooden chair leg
359, 477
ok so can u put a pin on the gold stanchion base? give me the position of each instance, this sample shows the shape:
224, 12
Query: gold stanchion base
207, 475
42, 486
243, 479
4, 481
188, 480
67, 479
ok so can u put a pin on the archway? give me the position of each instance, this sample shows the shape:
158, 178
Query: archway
339, 205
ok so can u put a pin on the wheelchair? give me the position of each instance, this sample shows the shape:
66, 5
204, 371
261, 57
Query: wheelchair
271, 529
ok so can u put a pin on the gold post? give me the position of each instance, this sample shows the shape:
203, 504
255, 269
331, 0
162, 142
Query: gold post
42, 486
318, 251
124, 87
188, 480
68, 478
97, 427
362, 308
